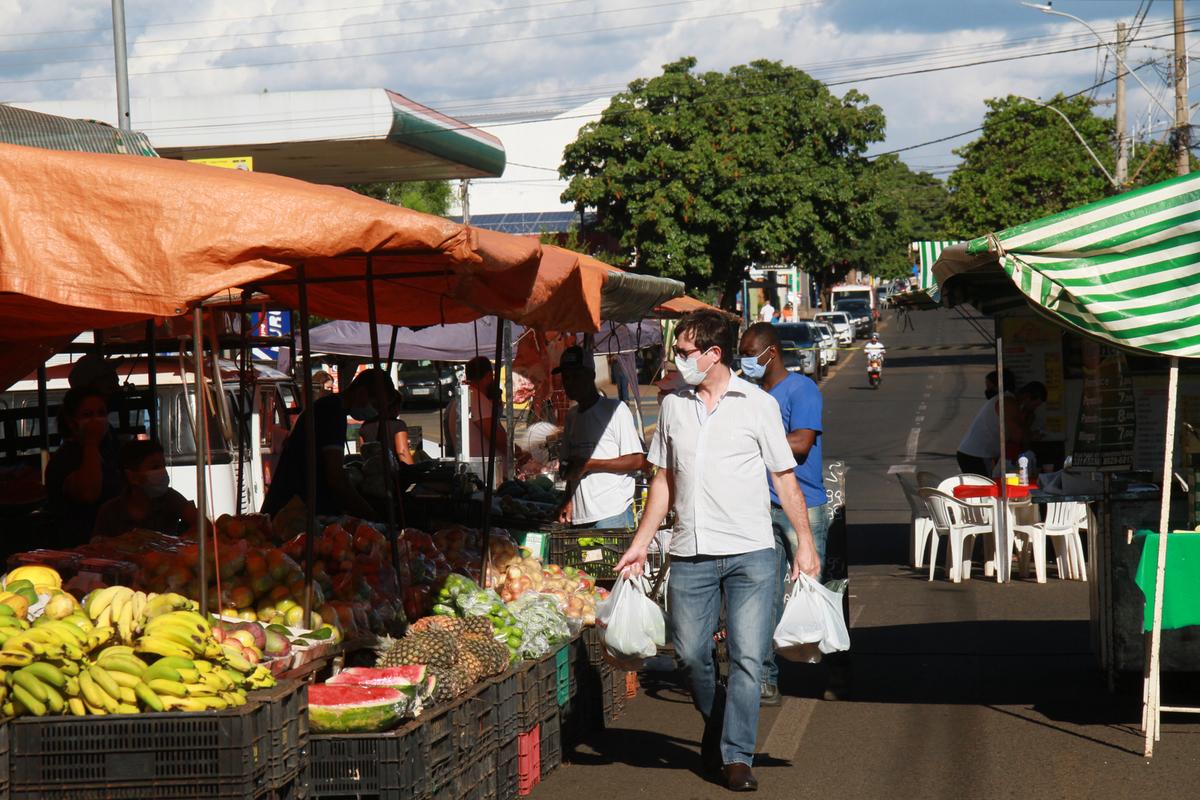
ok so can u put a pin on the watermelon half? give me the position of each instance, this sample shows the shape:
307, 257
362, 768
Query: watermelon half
355, 709
406, 679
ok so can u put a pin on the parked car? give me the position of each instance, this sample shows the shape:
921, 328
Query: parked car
792, 359
829, 342
423, 382
804, 338
842, 323
860, 312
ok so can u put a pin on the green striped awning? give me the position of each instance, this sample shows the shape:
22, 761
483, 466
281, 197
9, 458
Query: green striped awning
927, 254
1125, 269
34, 129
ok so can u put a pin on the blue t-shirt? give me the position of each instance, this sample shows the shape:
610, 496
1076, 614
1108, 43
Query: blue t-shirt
800, 403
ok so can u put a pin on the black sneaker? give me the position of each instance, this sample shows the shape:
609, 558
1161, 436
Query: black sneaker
770, 695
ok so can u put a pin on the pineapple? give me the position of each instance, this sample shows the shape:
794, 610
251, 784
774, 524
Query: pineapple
434, 648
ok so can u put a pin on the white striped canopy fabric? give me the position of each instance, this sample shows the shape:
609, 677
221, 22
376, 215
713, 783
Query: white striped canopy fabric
927, 254
1125, 269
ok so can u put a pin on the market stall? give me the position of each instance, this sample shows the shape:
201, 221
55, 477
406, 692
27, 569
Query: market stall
320, 250
1119, 276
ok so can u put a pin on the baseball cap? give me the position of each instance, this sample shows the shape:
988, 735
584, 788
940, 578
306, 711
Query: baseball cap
573, 358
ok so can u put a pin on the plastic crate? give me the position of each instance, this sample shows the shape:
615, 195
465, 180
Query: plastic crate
476, 779
508, 772
538, 690
370, 766
529, 760
460, 731
551, 748
612, 687
594, 645
286, 705
562, 675
619, 691
508, 722
594, 551
295, 789
4, 769
215, 754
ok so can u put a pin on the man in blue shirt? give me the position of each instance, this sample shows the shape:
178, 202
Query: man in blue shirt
800, 403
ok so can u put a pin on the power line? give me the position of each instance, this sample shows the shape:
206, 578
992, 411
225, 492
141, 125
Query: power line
455, 46
374, 23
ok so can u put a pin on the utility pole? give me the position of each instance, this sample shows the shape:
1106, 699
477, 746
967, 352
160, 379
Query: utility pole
1121, 173
120, 56
1183, 138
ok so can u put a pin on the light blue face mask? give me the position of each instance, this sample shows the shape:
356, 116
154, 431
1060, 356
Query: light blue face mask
752, 369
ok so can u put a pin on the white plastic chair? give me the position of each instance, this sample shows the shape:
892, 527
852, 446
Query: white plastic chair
1063, 521
991, 544
959, 522
922, 523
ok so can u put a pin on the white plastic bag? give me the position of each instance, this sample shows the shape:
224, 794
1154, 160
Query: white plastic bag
631, 625
812, 616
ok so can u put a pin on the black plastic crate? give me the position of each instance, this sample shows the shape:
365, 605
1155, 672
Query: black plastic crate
4, 747
370, 766
612, 702
508, 709
218, 754
295, 789
552, 748
595, 552
476, 778
530, 695
508, 770
620, 689
286, 705
593, 644
455, 730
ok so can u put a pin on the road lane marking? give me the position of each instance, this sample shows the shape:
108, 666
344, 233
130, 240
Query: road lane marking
855, 614
783, 741
923, 406
910, 449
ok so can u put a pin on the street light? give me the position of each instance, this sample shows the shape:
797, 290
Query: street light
1116, 185
1047, 9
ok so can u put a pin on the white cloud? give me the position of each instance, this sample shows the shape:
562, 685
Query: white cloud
412, 47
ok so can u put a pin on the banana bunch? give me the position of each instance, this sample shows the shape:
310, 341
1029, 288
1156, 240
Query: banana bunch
118, 606
10, 623
63, 640
180, 633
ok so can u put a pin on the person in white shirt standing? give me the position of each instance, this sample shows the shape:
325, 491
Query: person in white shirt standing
603, 449
767, 312
715, 444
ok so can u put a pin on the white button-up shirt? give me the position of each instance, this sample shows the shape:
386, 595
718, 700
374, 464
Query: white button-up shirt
720, 461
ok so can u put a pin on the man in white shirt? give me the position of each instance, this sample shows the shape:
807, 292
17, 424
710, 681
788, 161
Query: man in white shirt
767, 312
715, 443
603, 449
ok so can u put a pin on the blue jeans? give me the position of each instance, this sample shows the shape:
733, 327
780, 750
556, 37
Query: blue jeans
785, 549
694, 594
622, 521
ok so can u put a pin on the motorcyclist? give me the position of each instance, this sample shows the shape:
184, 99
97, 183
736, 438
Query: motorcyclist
875, 350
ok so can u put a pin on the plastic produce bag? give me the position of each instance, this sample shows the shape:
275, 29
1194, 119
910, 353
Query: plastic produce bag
812, 623
544, 625
631, 625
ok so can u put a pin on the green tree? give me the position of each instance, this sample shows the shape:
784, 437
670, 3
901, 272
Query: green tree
430, 197
911, 206
1027, 164
701, 175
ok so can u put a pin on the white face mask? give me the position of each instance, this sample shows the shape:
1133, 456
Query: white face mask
689, 371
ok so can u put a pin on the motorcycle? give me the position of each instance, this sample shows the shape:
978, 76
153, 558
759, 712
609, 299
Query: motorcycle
874, 372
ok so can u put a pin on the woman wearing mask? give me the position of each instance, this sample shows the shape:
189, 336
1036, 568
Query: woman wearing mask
148, 501
84, 472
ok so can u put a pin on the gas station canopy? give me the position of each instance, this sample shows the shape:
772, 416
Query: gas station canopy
334, 137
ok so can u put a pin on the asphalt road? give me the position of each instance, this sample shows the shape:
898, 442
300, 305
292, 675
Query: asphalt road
974, 690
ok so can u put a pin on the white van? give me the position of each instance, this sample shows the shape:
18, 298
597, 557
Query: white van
262, 414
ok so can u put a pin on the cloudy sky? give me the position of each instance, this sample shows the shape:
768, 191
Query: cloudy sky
514, 59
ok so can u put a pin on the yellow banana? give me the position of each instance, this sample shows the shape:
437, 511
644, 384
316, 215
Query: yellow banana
127, 696
100, 635
91, 693
216, 703
203, 666
29, 682
127, 664
164, 687
186, 619
47, 673
69, 668
34, 706
162, 647
76, 707
72, 687
55, 701
148, 697
189, 675
181, 636
98, 711
163, 671
100, 675
125, 679
184, 703
117, 650
127, 708
125, 622
200, 690
100, 601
